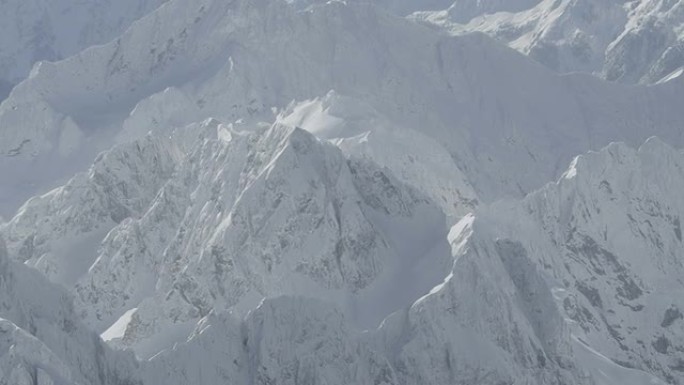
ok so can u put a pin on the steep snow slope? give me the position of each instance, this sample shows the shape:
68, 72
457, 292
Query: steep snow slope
363, 132
579, 283
651, 47
625, 41
184, 223
59, 232
181, 243
407, 7
463, 11
35, 30
607, 240
43, 342
285, 340
465, 92
562, 287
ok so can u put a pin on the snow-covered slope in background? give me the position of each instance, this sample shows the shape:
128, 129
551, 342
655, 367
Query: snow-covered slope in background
508, 124
35, 30
625, 41
362, 132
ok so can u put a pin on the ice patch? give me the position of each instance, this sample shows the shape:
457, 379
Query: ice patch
572, 170
118, 328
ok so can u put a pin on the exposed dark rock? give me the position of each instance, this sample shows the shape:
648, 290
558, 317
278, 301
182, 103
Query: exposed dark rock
671, 315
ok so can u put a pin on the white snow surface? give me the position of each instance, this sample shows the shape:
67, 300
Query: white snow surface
43, 341
509, 125
118, 328
625, 41
44, 30
328, 192
539, 293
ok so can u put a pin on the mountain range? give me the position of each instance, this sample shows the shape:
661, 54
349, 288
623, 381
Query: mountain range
336, 192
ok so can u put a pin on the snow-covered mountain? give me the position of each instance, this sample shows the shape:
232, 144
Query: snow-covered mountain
330, 192
607, 241
595, 265
35, 30
625, 41
579, 283
583, 268
161, 237
465, 92
42, 341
